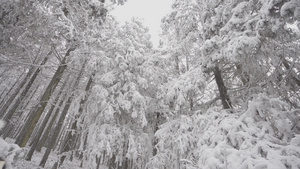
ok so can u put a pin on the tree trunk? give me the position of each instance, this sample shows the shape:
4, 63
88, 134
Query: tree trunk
32, 121
7, 93
243, 75
44, 123
156, 127
81, 156
54, 133
177, 68
24, 92
18, 116
294, 75
61, 119
222, 89
71, 138
16, 105
16, 92
98, 161
45, 135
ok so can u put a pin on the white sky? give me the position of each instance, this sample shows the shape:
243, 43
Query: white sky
152, 11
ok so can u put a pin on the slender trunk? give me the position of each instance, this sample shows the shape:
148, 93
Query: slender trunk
45, 135
81, 156
187, 61
55, 166
16, 105
4, 71
16, 92
7, 130
11, 129
294, 76
31, 123
156, 127
177, 68
54, 133
19, 115
44, 123
243, 75
24, 92
70, 138
222, 89
76, 145
4, 91
7, 93
20, 124
61, 120
61, 136
98, 161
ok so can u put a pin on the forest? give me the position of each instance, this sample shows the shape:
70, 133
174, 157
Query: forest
80, 90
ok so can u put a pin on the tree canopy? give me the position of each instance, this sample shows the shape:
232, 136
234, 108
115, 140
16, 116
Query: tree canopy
221, 90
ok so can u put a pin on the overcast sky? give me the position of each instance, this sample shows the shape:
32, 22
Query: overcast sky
152, 11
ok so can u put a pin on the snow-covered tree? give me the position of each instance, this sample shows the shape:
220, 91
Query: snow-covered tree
75, 81
243, 44
61, 29
116, 112
247, 40
259, 137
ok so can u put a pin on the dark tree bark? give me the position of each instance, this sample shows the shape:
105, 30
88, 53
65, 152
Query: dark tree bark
18, 115
58, 127
71, 138
16, 92
15, 106
8, 92
293, 75
243, 75
177, 68
81, 156
8, 116
156, 127
54, 134
222, 89
38, 110
11, 129
45, 135
44, 123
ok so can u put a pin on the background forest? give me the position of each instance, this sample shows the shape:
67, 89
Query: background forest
79, 90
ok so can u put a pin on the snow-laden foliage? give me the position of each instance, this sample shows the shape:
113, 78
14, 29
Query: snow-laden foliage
259, 137
135, 107
248, 40
291, 10
179, 94
117, 106
10, 153
117, 114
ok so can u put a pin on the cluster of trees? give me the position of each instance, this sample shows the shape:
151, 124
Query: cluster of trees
221, 92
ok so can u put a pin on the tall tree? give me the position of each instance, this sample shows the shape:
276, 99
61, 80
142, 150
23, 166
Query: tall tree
38, 110
61, 119
241, 45
70, 139
229, 35
116, 110
24, 92
42, 127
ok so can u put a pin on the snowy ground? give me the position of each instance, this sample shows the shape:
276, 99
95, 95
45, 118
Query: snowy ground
260, 137
14, 156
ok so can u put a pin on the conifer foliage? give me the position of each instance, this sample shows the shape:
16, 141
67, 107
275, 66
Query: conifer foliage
221, 91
